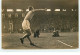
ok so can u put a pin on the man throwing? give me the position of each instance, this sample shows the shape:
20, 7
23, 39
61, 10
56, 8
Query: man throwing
26, 24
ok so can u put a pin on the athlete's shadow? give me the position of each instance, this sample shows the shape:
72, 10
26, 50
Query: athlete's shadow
38, 46
32, 46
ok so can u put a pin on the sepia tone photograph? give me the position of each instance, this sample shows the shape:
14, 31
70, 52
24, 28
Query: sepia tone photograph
40, 24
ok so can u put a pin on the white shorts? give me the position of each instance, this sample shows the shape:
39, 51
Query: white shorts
26, 25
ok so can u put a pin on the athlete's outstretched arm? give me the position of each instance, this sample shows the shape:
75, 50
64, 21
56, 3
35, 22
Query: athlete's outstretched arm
39, 9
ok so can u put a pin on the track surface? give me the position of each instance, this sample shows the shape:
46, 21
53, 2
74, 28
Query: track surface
67, 40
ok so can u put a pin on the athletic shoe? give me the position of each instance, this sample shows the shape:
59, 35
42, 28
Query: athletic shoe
21, 40
32, 44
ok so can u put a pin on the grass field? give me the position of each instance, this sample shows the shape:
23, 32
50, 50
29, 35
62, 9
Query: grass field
67, 40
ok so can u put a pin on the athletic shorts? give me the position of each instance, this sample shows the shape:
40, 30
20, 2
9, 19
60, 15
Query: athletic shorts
27, 31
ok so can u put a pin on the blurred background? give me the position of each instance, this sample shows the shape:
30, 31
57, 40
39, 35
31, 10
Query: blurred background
61, 15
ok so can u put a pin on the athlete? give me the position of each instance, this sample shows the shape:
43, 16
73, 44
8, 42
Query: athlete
26, 24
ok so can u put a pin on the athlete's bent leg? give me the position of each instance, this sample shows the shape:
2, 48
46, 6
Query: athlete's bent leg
22, 39
28, 37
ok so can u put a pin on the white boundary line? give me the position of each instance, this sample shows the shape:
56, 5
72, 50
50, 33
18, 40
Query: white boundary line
64, 43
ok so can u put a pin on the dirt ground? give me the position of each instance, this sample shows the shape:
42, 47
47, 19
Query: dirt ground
67, 40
